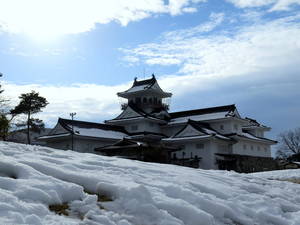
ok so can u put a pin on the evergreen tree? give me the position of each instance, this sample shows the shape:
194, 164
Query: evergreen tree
4, 121
4, 126
30, 103
1, 85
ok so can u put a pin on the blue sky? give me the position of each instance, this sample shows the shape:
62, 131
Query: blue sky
78, 54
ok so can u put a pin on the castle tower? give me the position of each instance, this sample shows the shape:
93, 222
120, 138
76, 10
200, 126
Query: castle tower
146, 95
145, 108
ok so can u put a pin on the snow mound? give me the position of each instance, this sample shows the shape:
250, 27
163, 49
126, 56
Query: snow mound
112, 191
279, 174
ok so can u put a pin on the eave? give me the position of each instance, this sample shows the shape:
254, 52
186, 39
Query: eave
139, 118
255, 139
195, 138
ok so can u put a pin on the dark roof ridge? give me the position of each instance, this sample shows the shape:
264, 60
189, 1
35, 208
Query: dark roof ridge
252, 120
146, 132
149, 81
85, 124
223, 108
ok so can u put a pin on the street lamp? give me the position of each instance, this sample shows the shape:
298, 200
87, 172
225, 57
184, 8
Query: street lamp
72, 116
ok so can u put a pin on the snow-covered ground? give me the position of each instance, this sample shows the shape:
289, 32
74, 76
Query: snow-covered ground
292, 174
131, 192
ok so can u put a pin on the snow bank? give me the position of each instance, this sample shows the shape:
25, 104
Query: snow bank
292, 174
32, 178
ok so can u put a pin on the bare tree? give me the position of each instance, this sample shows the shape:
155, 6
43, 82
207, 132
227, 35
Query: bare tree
289, 143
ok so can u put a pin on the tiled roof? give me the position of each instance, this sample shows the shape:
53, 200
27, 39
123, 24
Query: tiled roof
254, 124
142, 85
148, 82
67, 124
225, 108
89, 129
140, 112
201, 127
250, 137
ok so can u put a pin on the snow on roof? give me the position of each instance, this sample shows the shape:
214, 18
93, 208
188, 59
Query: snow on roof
89, 129
219, 112
147, 84
187, 138
99, 133
201, 117
252, 137
34, 177
252, 123
196, 130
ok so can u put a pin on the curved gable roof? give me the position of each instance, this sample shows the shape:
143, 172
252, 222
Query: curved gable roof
145, 85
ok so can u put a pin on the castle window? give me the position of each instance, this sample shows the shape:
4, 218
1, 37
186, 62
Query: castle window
155, 100
150, 100
144, 100
245, 146
251, 147
258, 148
222, 127
191, 155
200, 146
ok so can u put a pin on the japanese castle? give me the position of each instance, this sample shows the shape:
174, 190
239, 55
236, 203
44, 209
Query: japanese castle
207, 138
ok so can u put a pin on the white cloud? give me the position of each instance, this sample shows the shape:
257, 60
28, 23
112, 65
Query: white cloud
284, 5
252, 48
89, 101
277, 5
49, 18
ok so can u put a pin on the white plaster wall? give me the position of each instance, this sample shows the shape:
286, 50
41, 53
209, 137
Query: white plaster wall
207, 153
229, 126
143, 126
152, 127
80, 145
257, 149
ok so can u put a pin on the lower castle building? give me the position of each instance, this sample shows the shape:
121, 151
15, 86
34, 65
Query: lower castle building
208, 138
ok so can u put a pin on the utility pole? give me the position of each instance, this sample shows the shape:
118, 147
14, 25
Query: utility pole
72, 116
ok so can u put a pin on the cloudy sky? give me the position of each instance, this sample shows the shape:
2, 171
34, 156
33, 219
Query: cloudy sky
79, 53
